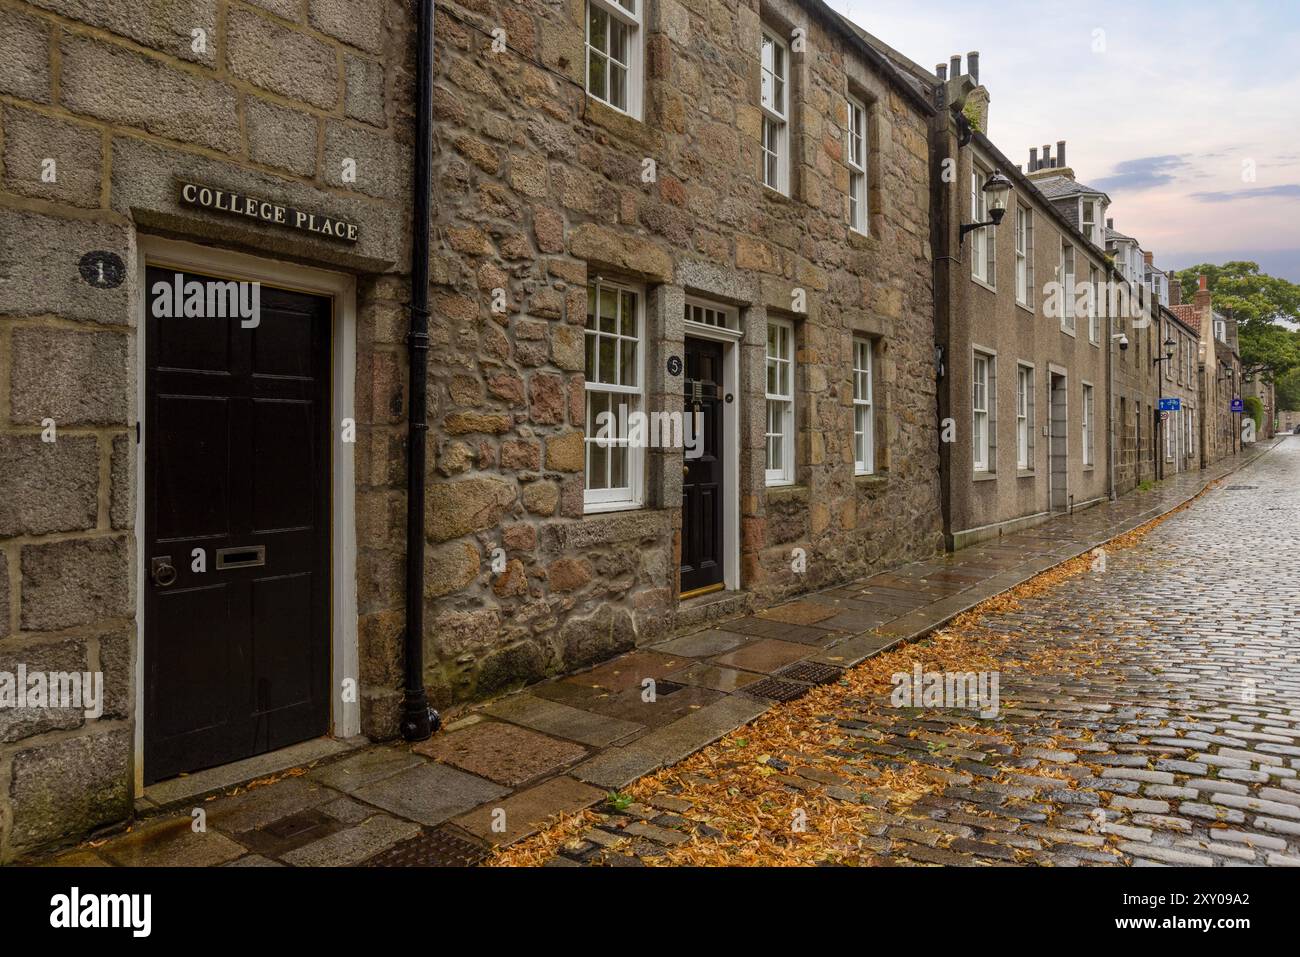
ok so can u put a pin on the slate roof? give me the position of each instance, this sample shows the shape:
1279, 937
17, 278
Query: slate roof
1114, 235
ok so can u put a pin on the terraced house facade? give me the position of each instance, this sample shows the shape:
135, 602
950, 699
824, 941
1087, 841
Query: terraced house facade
208, 326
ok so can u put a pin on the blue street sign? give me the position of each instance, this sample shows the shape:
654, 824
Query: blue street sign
1238, 405
1171, 405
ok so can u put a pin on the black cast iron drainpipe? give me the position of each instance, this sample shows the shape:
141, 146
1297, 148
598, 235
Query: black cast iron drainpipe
419, 721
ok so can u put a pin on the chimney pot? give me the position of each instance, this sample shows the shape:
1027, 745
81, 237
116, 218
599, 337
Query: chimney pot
1060, 152
954, 65
942, 72
1047, 156
1200, 282
973, 66
1033, 158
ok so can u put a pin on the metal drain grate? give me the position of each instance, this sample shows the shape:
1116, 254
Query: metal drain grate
811, 671
664, 687
431, 849
776, 689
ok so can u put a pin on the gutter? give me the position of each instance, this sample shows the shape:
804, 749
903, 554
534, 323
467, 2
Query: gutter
419, 721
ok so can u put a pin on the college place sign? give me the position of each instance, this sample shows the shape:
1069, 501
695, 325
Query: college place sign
265, 211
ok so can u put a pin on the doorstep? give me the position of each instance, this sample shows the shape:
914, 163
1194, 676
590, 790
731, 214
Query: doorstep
187, 787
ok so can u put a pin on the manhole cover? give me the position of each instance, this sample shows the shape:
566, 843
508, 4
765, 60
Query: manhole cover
776, 689
811, 671
432, 849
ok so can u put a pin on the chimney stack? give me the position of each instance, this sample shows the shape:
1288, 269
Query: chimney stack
1033, 158
1149, 258
1175, 290
973, 66
941, 71
1202, 302
1110, 222
1060, 153
954, 65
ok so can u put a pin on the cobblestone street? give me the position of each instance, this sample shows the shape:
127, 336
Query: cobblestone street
1150, 715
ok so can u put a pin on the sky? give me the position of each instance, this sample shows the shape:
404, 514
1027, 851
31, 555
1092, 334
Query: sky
1185, 112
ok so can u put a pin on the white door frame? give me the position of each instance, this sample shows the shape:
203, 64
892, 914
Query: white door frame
1054, 370
345, 716
730, 339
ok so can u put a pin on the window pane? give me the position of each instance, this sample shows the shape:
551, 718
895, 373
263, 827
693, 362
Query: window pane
618, 86
628, 313
596, 75
608, 361
627, 361
608, 309
597, 25
618, 467
591, 359
618, 41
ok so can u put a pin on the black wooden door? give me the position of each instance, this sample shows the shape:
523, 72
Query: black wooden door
702, 478
236, 464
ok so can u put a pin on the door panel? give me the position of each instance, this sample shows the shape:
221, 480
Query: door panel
236, 459
702, 559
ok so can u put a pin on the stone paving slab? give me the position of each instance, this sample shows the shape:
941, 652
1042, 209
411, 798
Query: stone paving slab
501, 752
353, 845
430, 793
524, 813
562, 721
172, 842
365, 768
618, 767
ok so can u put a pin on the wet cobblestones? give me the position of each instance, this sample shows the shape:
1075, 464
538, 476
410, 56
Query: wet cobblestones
1165, 730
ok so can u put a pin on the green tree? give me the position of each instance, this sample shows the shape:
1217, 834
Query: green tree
1259, 302
1288, 391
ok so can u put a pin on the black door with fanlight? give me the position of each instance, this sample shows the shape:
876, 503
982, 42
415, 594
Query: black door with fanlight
236, 525
702, 491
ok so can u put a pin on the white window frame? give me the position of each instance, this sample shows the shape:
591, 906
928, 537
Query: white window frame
1068, 324
779, 406
983, 250
983, 406
775, 132
855, 156
1024, 228
1090, 226
864, 425
1094, 313
1086, 417
631, 495
1025, 417
629, 14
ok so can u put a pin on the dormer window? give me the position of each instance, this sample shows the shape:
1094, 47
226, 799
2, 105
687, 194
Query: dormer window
1090, 221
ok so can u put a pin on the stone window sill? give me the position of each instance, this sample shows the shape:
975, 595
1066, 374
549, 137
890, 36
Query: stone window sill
787, 493
984, 477
876, 480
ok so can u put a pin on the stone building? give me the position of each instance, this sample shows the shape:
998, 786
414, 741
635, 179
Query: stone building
1023, 335
1177, 429
1219, 374
664, 206
1134, 384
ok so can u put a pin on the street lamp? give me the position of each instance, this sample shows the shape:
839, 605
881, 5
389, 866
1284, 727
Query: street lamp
996, 189
1170, 346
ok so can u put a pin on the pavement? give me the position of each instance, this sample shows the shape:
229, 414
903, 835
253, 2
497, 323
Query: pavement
1156, 735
